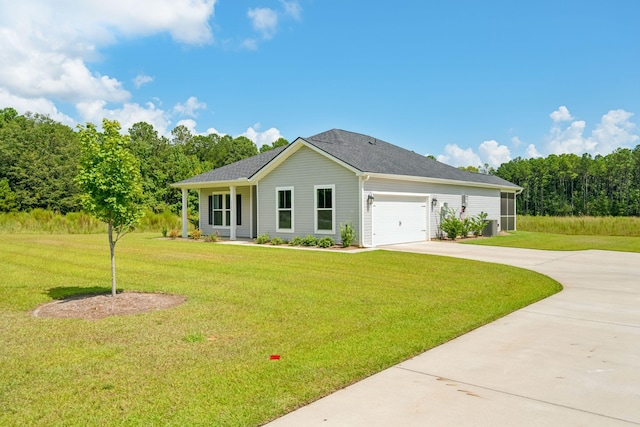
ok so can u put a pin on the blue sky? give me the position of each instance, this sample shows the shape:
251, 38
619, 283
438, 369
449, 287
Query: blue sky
467, 81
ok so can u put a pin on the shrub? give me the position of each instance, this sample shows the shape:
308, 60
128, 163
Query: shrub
213, 237
480, 221
466, 226
326, 242
450, 223
196, 234
174, 234
278, 241
165, 231
296, 241
310, 240
262, 239
347, 234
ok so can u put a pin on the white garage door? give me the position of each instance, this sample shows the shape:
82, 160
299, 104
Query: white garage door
399, 219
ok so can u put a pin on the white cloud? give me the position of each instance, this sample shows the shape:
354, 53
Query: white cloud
517, 142
614, 131
456, 156
141, 80
493, 153
129, 114
532, 151
264, 20
46, 46
191, 125
562, 114
570, 140
292, 9
261, 138
34, 105
249, 44
190, 107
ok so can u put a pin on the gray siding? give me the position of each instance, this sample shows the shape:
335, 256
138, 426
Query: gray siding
243, 230
479, 200
303, 170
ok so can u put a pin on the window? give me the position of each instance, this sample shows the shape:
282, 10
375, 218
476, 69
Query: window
284, 203
218, 209
324, 211
227, 209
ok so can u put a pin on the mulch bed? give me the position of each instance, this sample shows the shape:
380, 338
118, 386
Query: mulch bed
94, 307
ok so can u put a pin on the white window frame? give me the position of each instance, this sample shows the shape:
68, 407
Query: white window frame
224, 209
332, 187
285, 230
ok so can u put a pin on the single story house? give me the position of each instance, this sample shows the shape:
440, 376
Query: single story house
315, 184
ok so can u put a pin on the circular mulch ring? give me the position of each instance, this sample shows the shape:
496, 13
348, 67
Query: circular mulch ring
93, 307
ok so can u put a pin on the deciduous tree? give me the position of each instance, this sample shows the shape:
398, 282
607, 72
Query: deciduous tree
109, 176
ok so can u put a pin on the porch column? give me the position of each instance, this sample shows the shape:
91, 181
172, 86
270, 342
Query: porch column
185, 221
232, 231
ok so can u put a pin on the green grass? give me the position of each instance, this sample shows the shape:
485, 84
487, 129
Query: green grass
334, 318
581, 225
41, 221
560, 242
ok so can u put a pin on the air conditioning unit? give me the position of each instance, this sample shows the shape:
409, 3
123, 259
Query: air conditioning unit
491, 229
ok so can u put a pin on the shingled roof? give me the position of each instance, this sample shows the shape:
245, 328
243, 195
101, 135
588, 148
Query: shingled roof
244, 168
368, 154
363, 153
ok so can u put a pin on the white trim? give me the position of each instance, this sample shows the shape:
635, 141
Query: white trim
333, 208
224, 210
285, 230
185, 230
289, 151
251, 212
233, 216
360, 237
443, 181
240, 182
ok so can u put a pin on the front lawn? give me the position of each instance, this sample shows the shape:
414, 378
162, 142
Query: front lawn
333, 318
560, 242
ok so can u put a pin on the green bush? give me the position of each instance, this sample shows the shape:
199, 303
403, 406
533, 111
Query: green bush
326, 242
262, 239
347, 234
296, 241
480, 221
450, 224
310, 240
467, 227
214, 237
277, 241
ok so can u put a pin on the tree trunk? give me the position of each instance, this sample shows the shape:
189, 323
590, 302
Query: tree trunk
112, 247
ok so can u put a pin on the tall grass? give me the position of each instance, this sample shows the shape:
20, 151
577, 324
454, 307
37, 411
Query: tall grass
39, 221
581, 225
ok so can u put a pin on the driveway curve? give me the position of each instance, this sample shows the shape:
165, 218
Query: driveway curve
572, 359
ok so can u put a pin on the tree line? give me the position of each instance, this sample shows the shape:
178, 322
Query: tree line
39, 160
568, 184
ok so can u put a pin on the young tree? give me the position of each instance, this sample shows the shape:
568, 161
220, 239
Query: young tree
109, 177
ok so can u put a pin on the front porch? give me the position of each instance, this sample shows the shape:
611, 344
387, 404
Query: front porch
229, 211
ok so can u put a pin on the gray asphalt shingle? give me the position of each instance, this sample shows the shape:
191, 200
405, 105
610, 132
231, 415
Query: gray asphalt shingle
362, 152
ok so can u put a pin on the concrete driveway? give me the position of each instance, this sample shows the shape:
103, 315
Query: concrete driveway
570, 360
